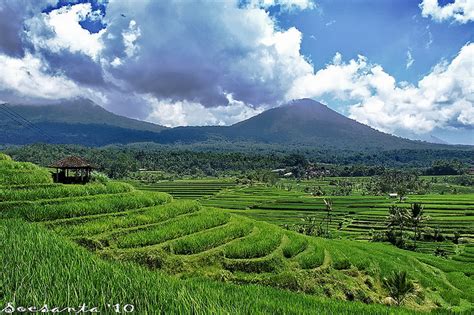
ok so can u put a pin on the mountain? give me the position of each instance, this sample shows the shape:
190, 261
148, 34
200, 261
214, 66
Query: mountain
306, 121
301, 123
78, 121
80, 111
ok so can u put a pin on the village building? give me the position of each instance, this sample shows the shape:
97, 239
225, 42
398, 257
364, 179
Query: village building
72, 170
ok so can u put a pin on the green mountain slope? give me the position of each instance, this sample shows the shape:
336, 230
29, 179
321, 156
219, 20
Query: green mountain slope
301, 123
79, 111
307, 121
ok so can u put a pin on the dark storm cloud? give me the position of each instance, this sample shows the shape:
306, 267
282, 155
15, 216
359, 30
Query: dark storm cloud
76, 66
198, 51
12, 16
10, 26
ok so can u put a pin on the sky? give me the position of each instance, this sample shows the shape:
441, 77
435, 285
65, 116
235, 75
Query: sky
405, 67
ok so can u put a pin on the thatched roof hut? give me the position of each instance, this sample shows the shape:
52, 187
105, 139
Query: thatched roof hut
72, 170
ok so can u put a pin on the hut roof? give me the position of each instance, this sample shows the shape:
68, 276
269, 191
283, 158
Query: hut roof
71, 162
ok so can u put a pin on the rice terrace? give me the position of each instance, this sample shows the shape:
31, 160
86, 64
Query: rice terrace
223, 231
237, 157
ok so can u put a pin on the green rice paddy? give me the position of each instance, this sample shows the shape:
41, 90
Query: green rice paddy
200, 241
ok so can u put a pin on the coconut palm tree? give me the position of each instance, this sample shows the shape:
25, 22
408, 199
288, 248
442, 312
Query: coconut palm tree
416, 218
398, 285
398, 217
328, 203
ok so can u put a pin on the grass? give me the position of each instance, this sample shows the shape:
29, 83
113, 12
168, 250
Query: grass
62, 274
75, 206
196, 243
262, 242
193, 244
84, 226
174, 228
62, 191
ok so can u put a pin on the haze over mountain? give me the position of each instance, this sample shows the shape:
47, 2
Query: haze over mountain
300, 123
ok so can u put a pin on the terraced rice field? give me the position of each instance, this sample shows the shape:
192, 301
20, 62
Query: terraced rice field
188, 239
354, 217
188, 189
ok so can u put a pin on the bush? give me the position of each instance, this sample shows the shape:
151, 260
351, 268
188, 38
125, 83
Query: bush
4, 157
99, 177
341, 264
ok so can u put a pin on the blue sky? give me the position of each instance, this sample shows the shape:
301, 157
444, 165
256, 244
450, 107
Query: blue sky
401, 66
381, 30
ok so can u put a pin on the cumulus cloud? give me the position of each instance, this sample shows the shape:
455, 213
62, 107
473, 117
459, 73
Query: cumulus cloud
288, 5
182, 113
200, 52
129, 37
461, 11
209, 63
29, 77
443, 97
60, 30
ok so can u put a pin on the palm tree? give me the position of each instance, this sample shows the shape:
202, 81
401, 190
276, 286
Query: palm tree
416, 218
398, 286
328, 203
397, 216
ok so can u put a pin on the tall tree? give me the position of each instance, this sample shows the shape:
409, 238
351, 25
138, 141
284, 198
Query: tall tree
328, 204
398, 217
416, 218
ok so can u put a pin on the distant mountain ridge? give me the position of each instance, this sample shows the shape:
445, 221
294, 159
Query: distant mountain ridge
304, 123
80, 111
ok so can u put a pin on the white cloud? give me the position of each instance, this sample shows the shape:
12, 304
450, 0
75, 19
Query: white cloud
116, 62
288, 5
208, 50
330, 22
60, 30
443, 97
461, 11
430, 37
29, 77
129, 37
184, 113
410, 59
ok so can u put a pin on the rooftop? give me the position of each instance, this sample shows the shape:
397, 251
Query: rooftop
71, 162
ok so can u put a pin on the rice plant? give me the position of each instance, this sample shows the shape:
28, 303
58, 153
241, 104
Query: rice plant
50, 265
296, 244
174, 228
102, 224
312, 257
261, 243
192, 244
97, 204
62, 191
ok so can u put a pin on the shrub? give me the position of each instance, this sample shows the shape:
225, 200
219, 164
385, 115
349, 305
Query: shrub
4, 157
99, 177
398, 286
